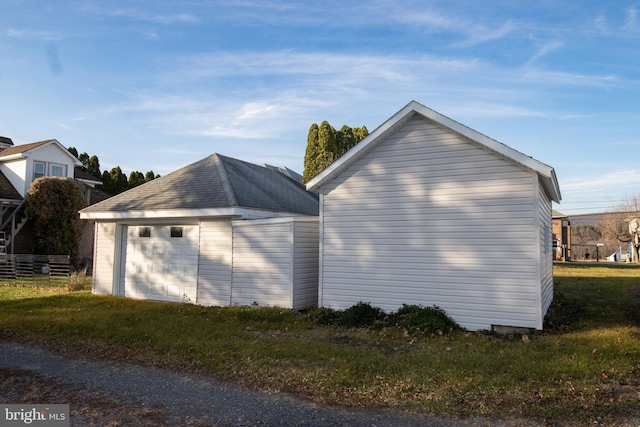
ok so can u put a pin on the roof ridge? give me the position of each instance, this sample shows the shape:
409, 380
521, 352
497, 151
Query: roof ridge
230, 194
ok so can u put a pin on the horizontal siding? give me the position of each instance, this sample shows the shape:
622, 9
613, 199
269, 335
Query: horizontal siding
104, 257
262, 263
305, 268
428, 217
214, 263
546, 263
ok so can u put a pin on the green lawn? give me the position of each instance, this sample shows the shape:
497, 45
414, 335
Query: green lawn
585, 367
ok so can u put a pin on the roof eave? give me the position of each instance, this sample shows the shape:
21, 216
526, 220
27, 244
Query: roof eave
228, 212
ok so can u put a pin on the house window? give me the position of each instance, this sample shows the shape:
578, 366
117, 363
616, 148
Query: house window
57, 170
144, 231
176, 231
38, 170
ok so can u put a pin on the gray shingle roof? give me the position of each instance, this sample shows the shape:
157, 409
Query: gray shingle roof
216, 182
17, 149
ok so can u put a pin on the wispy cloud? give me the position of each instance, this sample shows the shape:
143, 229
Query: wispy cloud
33, 34
562, 78
135, 14
480, 34
544, 50
626, 179
631, 21
288, 63
485, 109
138, 14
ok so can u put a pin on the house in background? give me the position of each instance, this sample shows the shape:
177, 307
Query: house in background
20, 165
428, 211
217, 232
561, 228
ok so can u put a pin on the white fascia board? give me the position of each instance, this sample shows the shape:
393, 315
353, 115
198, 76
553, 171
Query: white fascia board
169, 213
88, 181
16, 156
230, 212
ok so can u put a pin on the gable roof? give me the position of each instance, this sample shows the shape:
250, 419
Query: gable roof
545, 173
24, 150
209, 187
85, 176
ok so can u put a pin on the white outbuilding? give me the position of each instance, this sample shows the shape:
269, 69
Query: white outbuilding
428, 211
220, 231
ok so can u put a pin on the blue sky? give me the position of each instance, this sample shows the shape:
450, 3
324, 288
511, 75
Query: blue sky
158, 85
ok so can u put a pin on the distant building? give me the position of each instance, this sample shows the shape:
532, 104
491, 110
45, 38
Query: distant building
561, 229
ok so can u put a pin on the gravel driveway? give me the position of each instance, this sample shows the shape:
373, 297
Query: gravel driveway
110, 394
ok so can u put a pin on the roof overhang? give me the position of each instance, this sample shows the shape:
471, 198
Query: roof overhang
546, 173
207, 213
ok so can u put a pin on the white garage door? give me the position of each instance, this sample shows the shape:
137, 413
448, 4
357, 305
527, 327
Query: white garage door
161, 262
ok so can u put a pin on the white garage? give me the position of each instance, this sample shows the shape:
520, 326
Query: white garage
217, 232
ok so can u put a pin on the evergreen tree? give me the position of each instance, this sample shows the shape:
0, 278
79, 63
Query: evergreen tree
107, 185
150, 176
73, 151
311, 155
325, 145
135, 178
84, 158
118, 180
93, 166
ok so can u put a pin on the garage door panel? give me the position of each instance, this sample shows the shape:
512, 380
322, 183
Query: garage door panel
159, 266
191, 270
160, 248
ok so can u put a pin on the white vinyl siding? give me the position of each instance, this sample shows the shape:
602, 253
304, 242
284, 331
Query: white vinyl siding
305, 264
261, 263
428, 217
275, 263
214, 263
266, 262
546, 258
104, 257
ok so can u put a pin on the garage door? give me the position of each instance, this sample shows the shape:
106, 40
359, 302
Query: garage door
161, 262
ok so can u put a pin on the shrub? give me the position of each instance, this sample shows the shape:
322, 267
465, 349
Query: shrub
323, 315
361, 315
52, 205
416, 319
